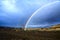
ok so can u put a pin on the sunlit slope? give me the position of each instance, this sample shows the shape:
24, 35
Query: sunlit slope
53, 28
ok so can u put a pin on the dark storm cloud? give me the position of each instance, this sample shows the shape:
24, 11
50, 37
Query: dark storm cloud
47, 16
17, 12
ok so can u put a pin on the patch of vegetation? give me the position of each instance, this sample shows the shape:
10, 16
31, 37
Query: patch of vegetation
20, 34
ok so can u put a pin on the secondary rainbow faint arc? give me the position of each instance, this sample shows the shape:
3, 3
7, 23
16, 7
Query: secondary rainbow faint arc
37, 11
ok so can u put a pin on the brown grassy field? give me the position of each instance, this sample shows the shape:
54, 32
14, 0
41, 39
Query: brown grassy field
18, 34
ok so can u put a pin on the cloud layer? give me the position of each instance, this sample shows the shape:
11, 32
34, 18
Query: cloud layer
15, 13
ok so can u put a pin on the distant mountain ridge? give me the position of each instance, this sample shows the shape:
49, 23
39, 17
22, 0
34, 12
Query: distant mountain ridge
5, 27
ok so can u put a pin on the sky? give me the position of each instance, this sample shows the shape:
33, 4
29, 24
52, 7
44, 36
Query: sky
46, 16
15, 13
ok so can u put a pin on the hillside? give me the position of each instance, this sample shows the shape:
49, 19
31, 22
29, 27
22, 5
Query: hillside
53, 28
20, 34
